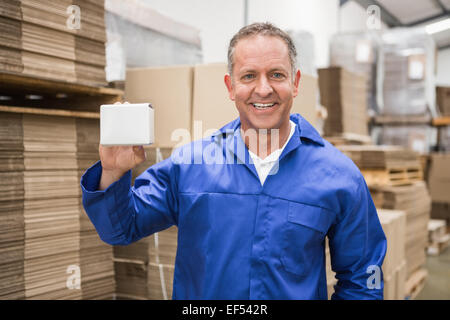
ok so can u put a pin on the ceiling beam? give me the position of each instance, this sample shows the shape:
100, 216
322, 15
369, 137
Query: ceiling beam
428, 19
441, 5
386, 16
444, 47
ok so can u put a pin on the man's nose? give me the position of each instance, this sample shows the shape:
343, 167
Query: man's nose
263, 87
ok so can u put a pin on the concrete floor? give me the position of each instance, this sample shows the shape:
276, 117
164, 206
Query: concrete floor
437, 285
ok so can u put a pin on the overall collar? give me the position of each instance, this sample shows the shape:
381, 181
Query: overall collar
236, 148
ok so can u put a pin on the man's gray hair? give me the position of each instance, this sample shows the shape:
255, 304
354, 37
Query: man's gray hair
264, 29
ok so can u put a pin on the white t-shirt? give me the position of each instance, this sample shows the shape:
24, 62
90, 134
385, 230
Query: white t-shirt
263, 166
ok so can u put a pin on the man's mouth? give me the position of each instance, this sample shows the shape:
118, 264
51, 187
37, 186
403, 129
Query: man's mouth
262, 106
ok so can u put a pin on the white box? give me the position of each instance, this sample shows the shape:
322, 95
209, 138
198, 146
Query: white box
126, 124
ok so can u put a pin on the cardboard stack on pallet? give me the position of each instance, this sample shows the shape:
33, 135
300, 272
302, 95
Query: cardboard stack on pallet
385, 165
96, 257
395, 179
438, 237
12, 231
344, 95
51, 207
357, 52
414, 199
394, 264
443, 100
439, 184
406, 71
45, 39
144, 269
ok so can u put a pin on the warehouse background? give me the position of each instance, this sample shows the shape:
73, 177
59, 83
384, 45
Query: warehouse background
377, 87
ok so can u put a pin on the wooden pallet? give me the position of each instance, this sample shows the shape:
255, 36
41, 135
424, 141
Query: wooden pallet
441, 121
18, 90
415, 283
392, 176
349, 139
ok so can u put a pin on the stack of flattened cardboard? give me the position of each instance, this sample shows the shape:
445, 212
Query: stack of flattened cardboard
386, 165
44, 39
357, 52
331, 275
96, 257
12, 235
394, 264
415, 201
443, 100
439, 184
51, 207
379, 157
144, 269
344, 94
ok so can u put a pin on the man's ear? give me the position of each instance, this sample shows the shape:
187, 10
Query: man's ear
229, 85
297, 77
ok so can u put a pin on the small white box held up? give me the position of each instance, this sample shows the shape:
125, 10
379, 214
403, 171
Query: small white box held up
126, 124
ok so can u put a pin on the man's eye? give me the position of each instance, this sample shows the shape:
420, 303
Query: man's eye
278, 75
249, 76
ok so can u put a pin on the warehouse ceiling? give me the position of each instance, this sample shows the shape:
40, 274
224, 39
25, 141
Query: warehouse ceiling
407, 13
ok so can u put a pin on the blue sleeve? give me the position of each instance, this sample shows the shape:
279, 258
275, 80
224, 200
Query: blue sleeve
357, 249
122, 213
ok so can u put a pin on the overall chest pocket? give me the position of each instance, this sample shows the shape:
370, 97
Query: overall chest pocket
303, 238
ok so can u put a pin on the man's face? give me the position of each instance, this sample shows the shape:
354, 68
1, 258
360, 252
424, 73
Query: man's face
262, 85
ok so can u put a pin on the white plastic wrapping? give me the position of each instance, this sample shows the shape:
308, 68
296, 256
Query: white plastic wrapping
420, 137
131, 45
358, 52
405, 72
304, 44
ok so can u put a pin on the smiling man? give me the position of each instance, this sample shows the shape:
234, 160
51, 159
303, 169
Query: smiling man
254, 227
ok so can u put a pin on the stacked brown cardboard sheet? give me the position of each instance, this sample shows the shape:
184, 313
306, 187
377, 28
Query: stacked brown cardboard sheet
394, 264
96, 257
344, 94
357, 52
386, 165
415, 200
331, 275
43, 40
438, 237
443, 100
12, 235
380, 157
51, 208
144, 269
439, 184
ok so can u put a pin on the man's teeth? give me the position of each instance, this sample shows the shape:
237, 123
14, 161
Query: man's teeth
263, 105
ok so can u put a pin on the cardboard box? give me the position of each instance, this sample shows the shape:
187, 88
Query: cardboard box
344, 94
443, 100
400, 281
211, 103
169, 90
306, 101
439, 178
127, 124
213, 107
